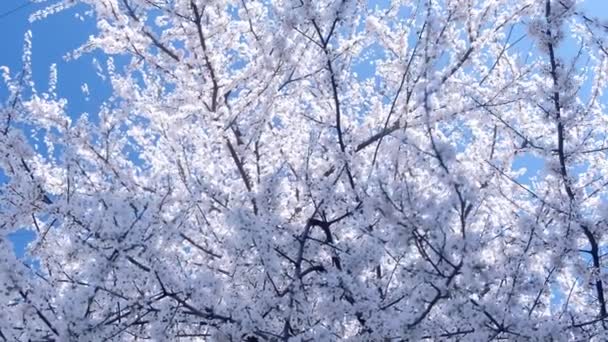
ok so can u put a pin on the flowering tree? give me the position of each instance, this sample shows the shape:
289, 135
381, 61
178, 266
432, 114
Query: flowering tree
314, 170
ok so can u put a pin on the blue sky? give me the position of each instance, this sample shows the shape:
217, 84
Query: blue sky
59, 34
52, 38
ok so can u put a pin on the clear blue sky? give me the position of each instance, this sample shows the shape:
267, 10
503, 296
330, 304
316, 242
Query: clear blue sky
58, 34
52, 38
63, 32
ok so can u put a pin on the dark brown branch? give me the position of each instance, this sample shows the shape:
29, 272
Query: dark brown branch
40, 315
599, 287
334, 88
154, 40
239, 165
193, 243
198, 21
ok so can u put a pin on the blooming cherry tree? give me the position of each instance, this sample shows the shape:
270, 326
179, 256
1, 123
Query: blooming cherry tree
314, 171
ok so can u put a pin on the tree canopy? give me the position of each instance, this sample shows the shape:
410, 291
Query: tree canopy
314, 170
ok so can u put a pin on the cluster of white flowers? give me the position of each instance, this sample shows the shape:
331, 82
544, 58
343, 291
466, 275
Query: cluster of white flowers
242, 183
